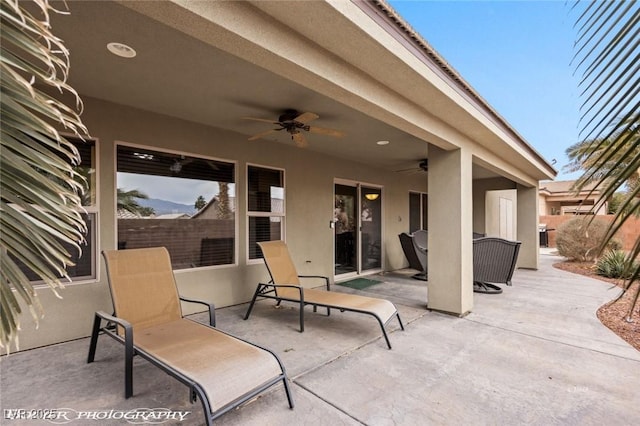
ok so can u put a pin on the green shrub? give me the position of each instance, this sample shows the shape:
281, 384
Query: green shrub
614, 244
614, 265
578, 239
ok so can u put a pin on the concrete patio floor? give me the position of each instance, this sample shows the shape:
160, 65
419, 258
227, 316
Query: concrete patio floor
535, 354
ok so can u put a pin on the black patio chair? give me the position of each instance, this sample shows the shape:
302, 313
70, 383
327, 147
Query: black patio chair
494, 260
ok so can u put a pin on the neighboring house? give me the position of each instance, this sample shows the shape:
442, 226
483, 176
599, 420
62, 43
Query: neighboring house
173, 216
559, 198
175, 115
126, 214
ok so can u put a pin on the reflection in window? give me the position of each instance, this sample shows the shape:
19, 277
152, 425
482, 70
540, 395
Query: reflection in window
183, 203
265, 207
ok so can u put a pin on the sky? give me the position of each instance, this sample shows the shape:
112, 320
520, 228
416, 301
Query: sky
517, 56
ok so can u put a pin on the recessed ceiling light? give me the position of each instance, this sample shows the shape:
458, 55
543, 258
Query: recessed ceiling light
383, 142
122, 50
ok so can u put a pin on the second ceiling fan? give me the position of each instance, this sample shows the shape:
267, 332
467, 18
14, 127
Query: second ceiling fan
295, 123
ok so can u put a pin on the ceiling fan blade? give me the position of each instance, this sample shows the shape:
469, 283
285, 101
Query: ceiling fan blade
299, 140
262, 134
325, 131
410, 169
306, 117
262, 120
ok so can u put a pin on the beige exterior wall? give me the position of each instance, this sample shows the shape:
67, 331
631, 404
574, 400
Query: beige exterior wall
309, 181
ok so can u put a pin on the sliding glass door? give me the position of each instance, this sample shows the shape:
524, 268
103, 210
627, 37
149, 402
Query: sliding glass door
358, 228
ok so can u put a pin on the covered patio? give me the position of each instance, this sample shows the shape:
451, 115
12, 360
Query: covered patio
535, 354
415, 136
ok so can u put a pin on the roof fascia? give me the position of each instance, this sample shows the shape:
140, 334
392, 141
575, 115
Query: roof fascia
393, 23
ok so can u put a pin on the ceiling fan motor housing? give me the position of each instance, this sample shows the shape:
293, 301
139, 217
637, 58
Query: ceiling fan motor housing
288, 116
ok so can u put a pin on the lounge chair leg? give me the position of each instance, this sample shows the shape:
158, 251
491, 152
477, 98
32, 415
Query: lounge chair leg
128, 363
253, 301
384, 333
94, 339
400, 321
301, 316
197, 392
287, 390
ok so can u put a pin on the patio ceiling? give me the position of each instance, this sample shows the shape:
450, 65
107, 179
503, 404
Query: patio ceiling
180, 76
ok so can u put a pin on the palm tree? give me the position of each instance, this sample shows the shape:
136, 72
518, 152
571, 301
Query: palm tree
586, 154
200, 203
608, 57
41, 193
127, 201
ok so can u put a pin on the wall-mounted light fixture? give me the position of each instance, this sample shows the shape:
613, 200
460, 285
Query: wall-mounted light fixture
371, 197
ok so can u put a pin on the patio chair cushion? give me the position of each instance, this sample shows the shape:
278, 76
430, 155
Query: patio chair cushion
406, 241
415, 252
143, 275
382, 308
224, 366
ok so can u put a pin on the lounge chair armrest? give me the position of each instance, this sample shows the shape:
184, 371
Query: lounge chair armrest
128, 346
210, 306
326, 279
297, 287
111, 318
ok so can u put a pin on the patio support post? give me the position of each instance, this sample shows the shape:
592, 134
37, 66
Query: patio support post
450, 255
528, 227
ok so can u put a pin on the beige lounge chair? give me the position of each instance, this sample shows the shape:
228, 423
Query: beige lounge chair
222, 370
285, 285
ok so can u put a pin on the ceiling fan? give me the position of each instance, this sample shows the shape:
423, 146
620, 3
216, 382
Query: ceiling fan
423, 165
295, 123
180, 161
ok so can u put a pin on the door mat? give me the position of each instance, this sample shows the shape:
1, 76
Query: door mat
359, 283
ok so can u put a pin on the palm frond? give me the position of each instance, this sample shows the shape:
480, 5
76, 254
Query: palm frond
41, 193
607, 55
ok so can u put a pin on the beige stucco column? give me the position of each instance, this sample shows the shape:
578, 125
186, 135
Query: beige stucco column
528, 227
450, 256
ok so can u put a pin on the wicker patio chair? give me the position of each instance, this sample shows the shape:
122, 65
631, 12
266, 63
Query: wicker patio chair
222, 370
410, 252
494, 260
285, 286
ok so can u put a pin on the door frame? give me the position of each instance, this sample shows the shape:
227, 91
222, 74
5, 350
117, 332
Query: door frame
359, 272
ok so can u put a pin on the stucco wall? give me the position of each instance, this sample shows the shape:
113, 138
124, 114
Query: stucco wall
309, 181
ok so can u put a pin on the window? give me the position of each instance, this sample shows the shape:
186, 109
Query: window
417, 211
84, 267
183, 203
265, 205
